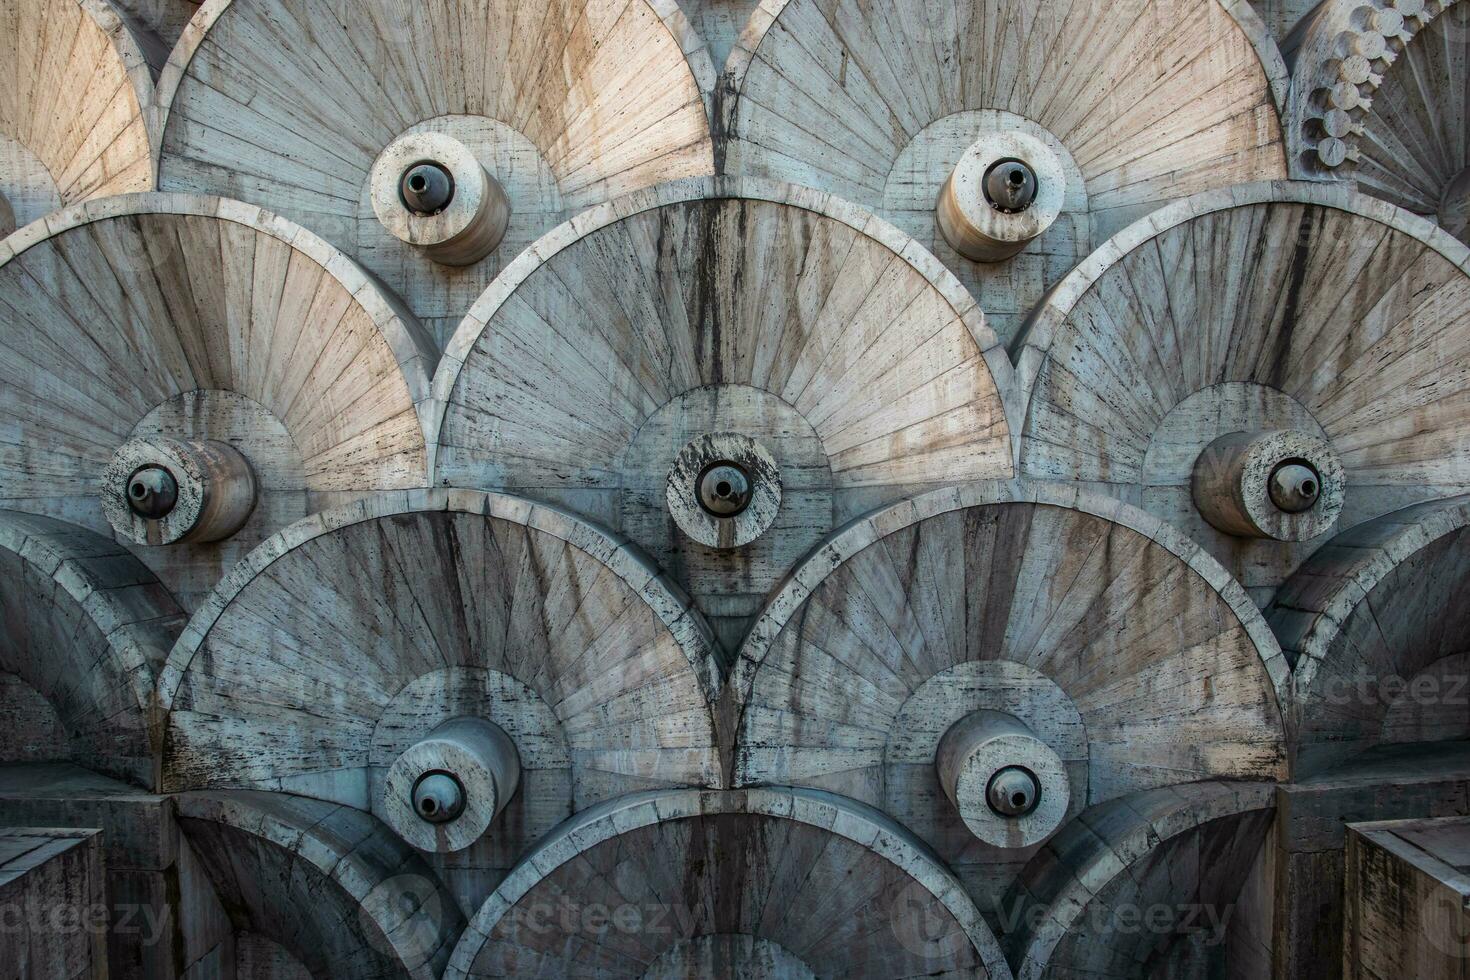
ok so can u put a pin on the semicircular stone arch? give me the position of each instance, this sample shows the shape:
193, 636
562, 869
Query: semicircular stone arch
1380, 100
350, 637
1119, 646
566, 104
87, 626
1375, 625
1177, 858
764, 311
803, 882
324, 882
1143, 102
70, 60
1300, 308
160, 316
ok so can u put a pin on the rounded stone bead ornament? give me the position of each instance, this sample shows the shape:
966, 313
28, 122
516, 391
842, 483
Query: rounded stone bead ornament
1009, 786
1006, 191
170, 491
443, 793
431, 192
724, 490
1283, 485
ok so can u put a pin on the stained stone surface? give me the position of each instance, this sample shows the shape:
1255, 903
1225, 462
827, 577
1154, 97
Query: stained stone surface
692, 539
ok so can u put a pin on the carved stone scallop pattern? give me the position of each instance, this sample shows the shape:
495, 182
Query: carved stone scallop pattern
567, 103
88, 627
747, 308
325, 883
1298, 307
352, 635
1379, 632
194, 318
1183, 857
806, 882
1012, 598
1380, 98
1145, 101
71, 110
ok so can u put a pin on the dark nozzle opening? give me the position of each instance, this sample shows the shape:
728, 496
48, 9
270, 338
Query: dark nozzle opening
438, 797
1013, 792
427, 188
152, 492
1011, 186
1295, 486
725, 489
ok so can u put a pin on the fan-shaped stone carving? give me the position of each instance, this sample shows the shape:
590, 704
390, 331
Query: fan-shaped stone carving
1376, 625
1201, 354
1148, 886
1140, 102
1380, 99
1123, 658
326, 883
87, 626
211, 346
71, 114
762, 883
565, 104
766, 313
340, 647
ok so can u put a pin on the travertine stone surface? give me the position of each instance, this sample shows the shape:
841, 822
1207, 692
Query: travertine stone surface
1146, 885
163, 491
72, 112
49, 878
447, 604
1379, 632
1379, 98
1274, 306
332, 886
88, 627
589, 101
985, 227
1035, 576
1008, 785
467, 227
1408, 899
796, 488
726, 307
157, 25
1152, 100
836, 886
1390, 782
444, 792
197, 319
1280, 484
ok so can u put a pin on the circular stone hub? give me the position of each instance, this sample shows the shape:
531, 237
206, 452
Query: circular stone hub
430, 191
724, 490
1007, 190
1283, 485
169, 491
445, 790
1009, 786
